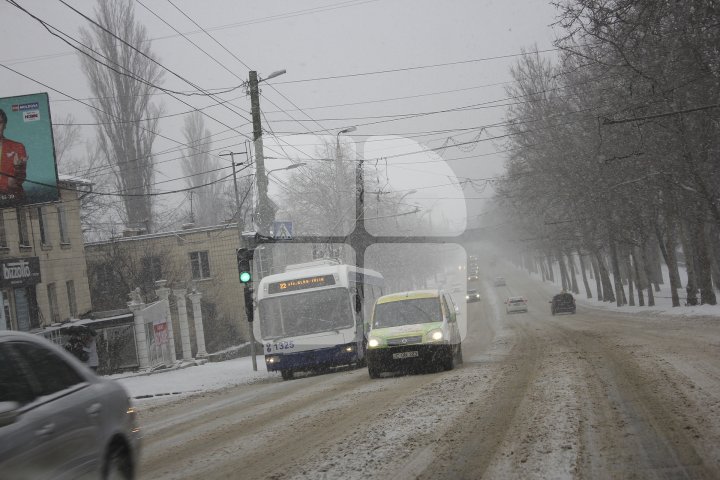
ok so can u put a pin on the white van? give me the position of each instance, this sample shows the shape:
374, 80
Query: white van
413, 329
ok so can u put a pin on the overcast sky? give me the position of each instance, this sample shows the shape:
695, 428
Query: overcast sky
348, 39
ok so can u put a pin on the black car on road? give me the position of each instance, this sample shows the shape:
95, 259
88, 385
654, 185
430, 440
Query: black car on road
562, 303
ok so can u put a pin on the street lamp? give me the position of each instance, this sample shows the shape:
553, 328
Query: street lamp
274, 74
337, 137
289, 167
406, 194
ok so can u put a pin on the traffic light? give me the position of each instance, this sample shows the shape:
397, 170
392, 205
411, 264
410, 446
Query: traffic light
244, 261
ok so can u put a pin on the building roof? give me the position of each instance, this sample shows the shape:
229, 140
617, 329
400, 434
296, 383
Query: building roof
175, 233
73, 180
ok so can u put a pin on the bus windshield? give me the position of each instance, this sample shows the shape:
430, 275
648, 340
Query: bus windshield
305, 313
407, 312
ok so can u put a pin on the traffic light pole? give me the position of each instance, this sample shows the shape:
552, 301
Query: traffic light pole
250, 313
245, 267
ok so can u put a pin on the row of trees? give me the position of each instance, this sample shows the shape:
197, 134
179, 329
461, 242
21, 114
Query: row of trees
125, 77
615, 146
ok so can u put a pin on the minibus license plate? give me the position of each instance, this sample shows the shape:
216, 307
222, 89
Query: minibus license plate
410, 354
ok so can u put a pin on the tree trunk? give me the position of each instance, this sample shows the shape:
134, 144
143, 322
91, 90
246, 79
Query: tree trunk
713, 241
707, 294
572, 270
550, 268
631, 293
648, 272
598, 282
563, 272
608, 293
619, 291
588, 294
639, 281
667, 248
689, 254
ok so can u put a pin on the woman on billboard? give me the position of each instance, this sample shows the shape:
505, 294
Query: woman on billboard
13, 163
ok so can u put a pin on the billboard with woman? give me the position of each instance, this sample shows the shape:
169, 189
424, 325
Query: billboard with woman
28, 173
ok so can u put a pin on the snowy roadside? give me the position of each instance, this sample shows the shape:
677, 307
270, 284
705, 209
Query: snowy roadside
169, 385
663, 299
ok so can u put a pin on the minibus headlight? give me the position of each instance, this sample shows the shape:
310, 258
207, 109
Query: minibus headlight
435, 335
373, 342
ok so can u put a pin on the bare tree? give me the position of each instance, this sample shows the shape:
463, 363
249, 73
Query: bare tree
203, 172
122, 75
66, 136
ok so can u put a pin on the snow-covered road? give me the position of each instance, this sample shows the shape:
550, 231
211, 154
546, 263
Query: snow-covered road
598, 394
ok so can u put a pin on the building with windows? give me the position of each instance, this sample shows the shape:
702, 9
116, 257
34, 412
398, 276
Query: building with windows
201, 259
43, 275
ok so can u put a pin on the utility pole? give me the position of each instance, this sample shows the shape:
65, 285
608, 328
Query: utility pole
238, 213
264, 211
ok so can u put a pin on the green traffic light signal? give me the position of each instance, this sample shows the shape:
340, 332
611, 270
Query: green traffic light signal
244, 261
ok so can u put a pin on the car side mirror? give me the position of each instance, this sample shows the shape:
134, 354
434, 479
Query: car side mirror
9, 412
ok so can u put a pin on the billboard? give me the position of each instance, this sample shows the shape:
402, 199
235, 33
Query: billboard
28, 173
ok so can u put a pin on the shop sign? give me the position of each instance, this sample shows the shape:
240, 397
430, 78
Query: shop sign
19, 272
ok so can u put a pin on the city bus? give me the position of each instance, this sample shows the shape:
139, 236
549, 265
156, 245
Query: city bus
313, 316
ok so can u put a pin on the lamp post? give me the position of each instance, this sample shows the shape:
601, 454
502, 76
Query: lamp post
338, 165
263, 204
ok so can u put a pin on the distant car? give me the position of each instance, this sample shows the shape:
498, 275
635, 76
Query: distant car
58, 419
562, 303
516, 304
472, 296
456, 289
473, 277
499, 281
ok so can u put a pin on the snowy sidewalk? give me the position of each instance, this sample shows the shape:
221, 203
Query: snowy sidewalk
190, 378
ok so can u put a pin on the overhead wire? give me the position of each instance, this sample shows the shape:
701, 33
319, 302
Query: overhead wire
88, 104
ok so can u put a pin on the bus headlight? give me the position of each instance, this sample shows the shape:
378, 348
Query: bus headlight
373, 343
435, 335
272, 360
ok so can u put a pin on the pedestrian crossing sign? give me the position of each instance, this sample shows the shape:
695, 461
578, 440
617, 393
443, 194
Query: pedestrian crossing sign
283, 230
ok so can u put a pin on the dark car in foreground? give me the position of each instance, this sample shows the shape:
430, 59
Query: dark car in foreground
58, 420
562, 303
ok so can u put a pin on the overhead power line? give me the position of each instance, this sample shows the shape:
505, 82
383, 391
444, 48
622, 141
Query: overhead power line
418, 67
607, 121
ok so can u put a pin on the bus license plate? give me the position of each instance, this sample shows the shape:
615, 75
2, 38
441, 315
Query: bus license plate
397, 356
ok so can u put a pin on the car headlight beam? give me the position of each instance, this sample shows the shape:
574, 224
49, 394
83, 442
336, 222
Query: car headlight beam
373, 343
435, 335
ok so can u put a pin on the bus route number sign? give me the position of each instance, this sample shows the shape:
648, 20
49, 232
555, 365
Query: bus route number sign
301, 284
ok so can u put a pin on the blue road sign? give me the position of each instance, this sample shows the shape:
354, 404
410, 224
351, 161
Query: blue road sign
283, 230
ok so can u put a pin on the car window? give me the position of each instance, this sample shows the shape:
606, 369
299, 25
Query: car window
15, 386
407, 312
49, 373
